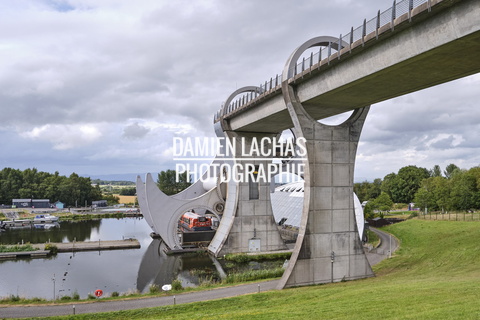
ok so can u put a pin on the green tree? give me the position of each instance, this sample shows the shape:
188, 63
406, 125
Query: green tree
450, 170
111, 199
387, 183
405, 184
368, 210
424, 197
368, 190
375, 188
382, 203
441, 192
128, 191
436, 171
464, 192
361, 190
168, 183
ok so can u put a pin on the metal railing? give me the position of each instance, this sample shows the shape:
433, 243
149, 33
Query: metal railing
373, 25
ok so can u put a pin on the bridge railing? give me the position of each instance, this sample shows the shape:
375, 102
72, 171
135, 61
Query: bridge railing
382, 19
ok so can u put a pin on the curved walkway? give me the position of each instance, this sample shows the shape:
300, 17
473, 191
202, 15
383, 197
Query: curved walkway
374, 257
388, 245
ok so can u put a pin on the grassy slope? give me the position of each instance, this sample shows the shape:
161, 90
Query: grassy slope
435, 275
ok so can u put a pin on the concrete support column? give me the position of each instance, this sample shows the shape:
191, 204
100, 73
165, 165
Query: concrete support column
328, 248
252, 226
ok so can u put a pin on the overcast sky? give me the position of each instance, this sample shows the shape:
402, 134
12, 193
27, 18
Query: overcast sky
101, 87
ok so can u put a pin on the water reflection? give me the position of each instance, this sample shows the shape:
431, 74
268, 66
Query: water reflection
156, 267
159, 268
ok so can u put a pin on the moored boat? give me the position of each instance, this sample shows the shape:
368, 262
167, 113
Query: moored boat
45, 218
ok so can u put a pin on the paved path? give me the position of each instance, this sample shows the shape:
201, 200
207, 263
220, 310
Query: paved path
388, 245
374, 257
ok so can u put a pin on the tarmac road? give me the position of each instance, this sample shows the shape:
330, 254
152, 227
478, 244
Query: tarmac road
374, 257
388, 245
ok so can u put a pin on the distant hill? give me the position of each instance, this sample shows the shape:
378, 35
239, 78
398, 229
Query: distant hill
113, 182
129, 177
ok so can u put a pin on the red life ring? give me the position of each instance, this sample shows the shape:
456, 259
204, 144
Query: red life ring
98, 293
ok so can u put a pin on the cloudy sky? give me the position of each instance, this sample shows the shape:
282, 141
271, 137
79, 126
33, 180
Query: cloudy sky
101, 87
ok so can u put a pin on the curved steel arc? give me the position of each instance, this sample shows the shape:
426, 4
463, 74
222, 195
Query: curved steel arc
236, 93
314, 42
231, 201
222, 128
166, 210
142, 201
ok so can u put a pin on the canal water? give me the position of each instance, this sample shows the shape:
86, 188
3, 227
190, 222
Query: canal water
121, 271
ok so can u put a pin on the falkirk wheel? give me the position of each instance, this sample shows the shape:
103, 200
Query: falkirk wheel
328, 247
242, 221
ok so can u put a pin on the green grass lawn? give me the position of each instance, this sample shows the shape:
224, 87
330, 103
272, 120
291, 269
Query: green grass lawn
434, 275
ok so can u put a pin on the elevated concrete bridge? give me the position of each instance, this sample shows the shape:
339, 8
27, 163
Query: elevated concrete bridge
413, 45
436, 42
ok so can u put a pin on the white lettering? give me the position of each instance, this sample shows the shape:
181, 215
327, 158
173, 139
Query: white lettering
177, 146
302, 148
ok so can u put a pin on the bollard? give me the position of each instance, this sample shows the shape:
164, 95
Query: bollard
73, 309
258, 288
174, 302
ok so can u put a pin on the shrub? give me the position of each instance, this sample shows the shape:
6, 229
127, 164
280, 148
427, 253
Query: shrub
52, 248
254, 275
177, 285
36, 299
154, 289
238, 258
208, 282
75, 296
115, 294
244, 258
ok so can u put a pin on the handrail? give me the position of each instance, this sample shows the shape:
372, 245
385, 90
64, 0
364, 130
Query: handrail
387, 17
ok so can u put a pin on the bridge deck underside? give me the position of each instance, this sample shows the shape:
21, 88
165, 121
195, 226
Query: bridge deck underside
412, 75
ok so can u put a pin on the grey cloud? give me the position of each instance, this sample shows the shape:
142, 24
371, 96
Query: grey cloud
444, 143
135, 131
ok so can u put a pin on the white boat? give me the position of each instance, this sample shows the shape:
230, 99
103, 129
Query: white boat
45, 218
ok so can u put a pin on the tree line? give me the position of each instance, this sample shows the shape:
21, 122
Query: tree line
433, 190
31, 183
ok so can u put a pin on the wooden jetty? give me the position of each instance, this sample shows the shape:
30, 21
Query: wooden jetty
96, 245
